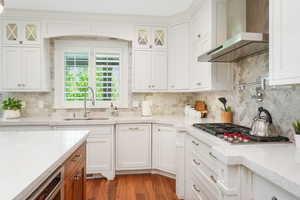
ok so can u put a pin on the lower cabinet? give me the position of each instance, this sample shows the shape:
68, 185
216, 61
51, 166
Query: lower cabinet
75, 175
100, 149
164, 148
265, 190
133, 146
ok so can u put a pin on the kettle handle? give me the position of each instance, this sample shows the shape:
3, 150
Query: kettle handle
262, 110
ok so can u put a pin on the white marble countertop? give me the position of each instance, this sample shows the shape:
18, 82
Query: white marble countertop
28, 158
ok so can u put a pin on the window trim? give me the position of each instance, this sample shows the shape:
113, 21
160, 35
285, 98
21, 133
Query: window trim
91, 47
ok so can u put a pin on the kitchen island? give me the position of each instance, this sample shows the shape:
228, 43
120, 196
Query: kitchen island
30, 157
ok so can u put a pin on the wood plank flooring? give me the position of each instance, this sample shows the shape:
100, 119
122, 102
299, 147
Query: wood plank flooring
132, 187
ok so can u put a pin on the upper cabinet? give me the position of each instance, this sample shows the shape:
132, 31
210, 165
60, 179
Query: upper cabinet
284, 42
20, 32
150, 66
24, 60
151, 37
178, 57
208, 31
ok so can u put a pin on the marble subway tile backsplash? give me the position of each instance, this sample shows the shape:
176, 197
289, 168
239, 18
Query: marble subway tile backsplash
281, 101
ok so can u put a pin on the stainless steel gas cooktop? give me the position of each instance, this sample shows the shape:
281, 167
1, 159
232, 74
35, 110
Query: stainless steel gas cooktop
236, 134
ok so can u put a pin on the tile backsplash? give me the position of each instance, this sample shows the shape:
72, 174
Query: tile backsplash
281, 101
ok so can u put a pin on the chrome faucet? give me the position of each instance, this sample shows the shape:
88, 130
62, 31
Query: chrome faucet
85, 115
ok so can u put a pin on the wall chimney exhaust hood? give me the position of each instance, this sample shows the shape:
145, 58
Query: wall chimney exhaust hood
254, 41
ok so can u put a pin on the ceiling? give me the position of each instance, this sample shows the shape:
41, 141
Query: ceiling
127, 7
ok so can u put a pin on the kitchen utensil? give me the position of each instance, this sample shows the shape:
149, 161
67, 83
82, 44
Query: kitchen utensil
262, 125
227, 117
224, 102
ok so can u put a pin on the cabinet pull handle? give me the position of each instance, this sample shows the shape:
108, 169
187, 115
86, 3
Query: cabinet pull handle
134, 129
195, 161
77, 176
195, 188
76, 157
213, 179
195, 143
213, 156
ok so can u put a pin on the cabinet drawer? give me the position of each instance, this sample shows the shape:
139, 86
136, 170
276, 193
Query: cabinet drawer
95, 131
206, 184
204, 153
76, 160
265, 190
197, 191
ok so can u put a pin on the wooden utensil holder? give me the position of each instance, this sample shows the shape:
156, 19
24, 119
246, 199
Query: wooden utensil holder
227, 117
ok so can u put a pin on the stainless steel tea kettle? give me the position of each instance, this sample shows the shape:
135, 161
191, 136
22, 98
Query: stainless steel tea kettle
262, 125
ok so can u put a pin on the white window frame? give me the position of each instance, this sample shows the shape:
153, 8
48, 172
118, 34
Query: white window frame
91, 47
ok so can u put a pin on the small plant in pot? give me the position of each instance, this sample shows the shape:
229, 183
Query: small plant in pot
12, 108
296, 126
227, 113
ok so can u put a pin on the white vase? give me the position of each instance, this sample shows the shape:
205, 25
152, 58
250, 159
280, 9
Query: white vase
297, 140
11, 114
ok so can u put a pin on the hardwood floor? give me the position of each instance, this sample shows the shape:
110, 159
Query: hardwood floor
132, 187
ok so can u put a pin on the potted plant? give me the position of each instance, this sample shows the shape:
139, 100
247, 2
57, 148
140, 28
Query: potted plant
12, 108
296, 126
227, 113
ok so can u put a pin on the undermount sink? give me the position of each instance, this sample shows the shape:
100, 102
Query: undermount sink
89, 118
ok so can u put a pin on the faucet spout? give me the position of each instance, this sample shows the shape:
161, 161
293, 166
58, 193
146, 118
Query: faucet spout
85, 114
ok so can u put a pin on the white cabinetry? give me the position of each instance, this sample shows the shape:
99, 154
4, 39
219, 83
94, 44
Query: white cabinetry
263, 189
151, 37
133, 145
24, 56
207, 31
164, 148
21, 32
100, 149
150, 59
178, 58
150, 70
284, 42
21, 68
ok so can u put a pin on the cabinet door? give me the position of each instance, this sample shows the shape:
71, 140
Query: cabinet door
11, 69
12, 32
159, 38
99, 154
133, 145
31, 33
143, 38
74, 186
284, 42
262, 189
31, 68
142, 70
178, 57
164, 152
159, 70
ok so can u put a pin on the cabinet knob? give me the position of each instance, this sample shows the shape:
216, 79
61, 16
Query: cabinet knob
199, 84
274, 198
149, 86
20, 42
150, 46
199, 36
19, 85
153, 86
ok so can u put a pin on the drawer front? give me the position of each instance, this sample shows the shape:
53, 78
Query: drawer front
204, 153
95, 131
76, 160
207, 177
197, 189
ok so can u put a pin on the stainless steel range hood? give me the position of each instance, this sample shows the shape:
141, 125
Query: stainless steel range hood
253, 41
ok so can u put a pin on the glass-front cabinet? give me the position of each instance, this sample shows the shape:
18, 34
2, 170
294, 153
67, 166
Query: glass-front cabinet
151, 37
18, 33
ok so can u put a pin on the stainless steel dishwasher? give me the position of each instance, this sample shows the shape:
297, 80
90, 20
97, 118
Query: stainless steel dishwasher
52, 188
